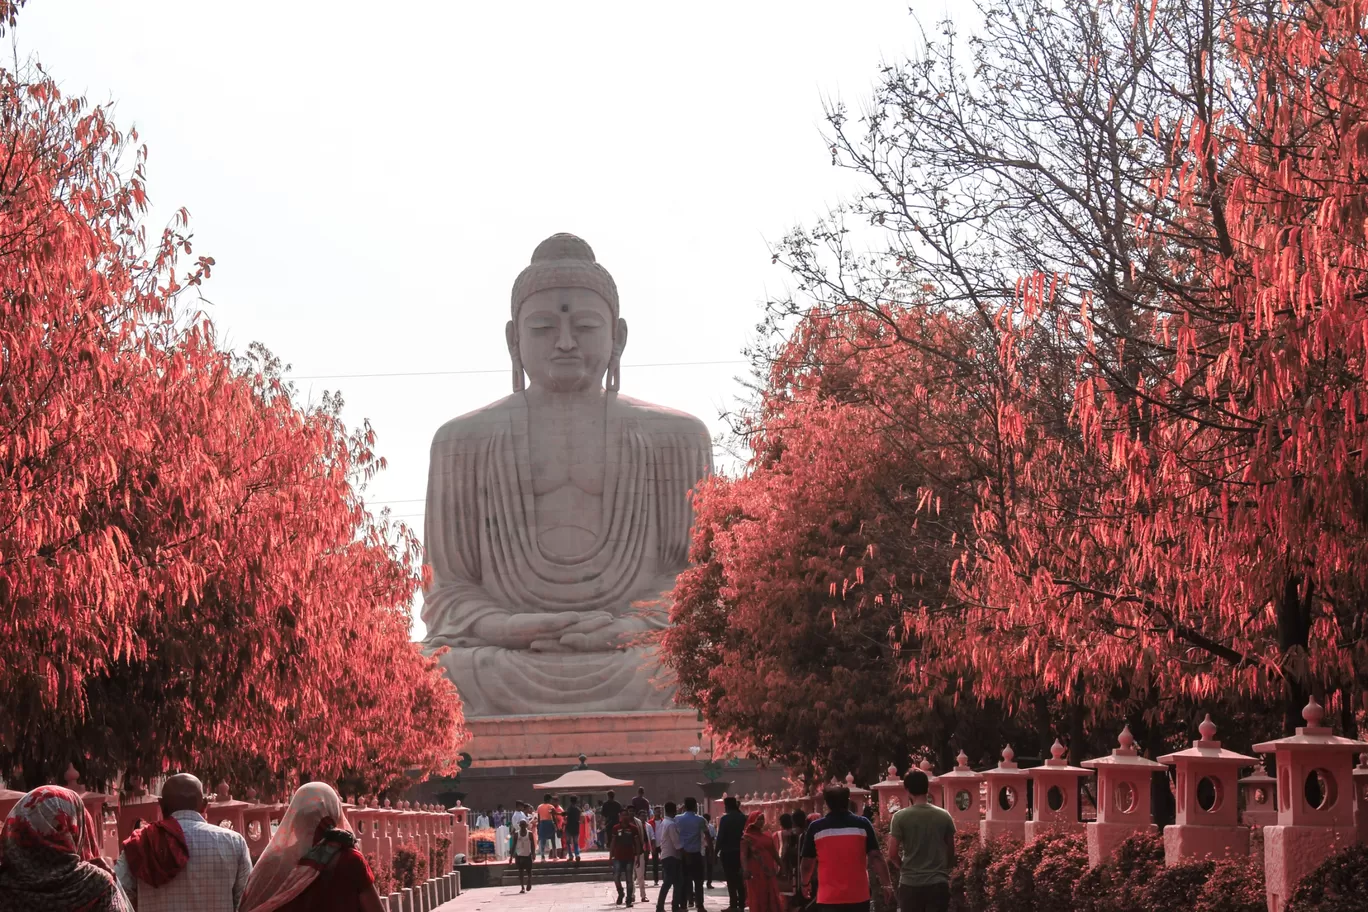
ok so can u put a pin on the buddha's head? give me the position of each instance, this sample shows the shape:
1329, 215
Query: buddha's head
565, 334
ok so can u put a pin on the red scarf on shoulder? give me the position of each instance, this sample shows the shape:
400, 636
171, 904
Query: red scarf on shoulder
157, 852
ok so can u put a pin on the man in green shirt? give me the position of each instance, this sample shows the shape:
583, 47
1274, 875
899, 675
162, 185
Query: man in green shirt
923, 835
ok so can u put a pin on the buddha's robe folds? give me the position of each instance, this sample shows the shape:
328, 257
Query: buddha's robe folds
481, 544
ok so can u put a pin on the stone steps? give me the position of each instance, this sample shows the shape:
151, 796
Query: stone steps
553, 872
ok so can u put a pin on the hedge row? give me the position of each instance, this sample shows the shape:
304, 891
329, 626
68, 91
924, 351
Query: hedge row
1052, 875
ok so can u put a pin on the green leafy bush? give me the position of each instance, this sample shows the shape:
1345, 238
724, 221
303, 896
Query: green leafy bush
1014, 883
1235, 885
410, 867
1175, 887
1339, 884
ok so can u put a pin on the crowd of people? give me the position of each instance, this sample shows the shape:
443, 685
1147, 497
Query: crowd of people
50, 859
822, 863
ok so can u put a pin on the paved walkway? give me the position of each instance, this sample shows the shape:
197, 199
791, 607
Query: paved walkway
571, 897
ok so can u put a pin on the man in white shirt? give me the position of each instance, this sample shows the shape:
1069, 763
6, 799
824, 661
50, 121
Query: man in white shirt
522, 855
668, 839
640, 866
216, 867
519, 816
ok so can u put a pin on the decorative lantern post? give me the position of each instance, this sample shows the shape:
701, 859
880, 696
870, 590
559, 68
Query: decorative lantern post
95, 803
8, 799
858, 796
1123, 798
1208, 810
1055, 806
1361, 798
1259, 791
226, 812
892, 794
1006, 814
933, 791
960, 788
1315, 806
136, 808
460, 830
256, 825
363, 821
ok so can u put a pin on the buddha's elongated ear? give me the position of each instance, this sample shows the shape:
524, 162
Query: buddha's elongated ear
511, 336
614, 380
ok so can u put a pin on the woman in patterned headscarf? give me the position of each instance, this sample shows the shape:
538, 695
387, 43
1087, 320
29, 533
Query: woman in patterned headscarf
49, 860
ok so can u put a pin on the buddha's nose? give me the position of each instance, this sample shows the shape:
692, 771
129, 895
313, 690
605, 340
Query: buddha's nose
566, 340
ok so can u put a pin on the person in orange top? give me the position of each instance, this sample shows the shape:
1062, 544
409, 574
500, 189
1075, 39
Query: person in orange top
546, 826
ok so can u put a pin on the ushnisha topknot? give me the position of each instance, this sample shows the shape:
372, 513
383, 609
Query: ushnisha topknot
564, 261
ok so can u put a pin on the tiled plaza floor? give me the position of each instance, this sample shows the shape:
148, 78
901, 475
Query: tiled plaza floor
571, 897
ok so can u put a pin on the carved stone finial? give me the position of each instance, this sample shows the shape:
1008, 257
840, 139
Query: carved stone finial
962, 762
71, 777
221, 793
892, 771
1207, 729
1126, 739
1057, 751
1363, 762
1313, 714
1008, 755
850, 780
925, 767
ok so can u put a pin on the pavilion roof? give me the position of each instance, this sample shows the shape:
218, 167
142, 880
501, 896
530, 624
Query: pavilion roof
583, 780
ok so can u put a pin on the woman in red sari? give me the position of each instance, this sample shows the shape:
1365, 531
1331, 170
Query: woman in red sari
311, 863
760, 866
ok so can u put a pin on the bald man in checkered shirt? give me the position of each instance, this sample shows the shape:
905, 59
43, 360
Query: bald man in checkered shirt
215, 874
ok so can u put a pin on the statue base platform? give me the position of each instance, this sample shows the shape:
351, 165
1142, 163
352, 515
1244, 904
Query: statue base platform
510, 754
558, 740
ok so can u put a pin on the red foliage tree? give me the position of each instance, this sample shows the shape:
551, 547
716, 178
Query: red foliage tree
188, 577
1230, 551
1136, 297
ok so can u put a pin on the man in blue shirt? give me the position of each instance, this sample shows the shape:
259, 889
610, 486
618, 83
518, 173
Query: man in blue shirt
689, 826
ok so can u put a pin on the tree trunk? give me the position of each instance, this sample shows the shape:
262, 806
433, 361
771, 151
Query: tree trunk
1294, 635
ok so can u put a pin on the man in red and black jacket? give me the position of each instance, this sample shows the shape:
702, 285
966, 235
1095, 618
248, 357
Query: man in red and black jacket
625, 843
839, 849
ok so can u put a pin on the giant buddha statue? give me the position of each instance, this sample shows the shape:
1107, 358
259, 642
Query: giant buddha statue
558, 517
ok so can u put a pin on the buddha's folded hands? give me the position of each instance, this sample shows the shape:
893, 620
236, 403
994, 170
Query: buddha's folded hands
520, 631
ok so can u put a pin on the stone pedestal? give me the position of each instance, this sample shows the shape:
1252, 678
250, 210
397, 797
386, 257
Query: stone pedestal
1292, 852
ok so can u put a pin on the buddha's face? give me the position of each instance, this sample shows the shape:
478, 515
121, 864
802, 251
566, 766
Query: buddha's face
565, 338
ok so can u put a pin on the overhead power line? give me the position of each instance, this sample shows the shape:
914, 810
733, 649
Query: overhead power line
498, 370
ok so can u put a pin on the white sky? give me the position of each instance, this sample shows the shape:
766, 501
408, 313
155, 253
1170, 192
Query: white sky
370, 178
